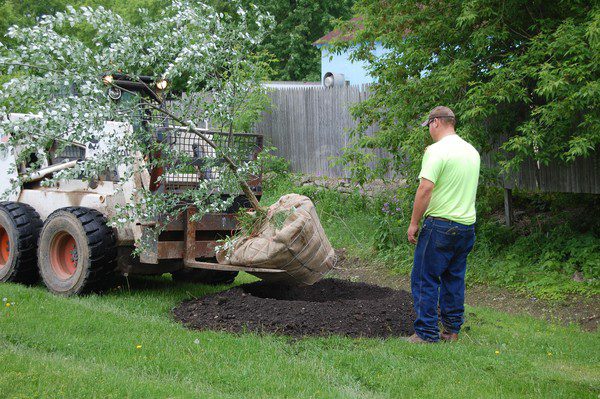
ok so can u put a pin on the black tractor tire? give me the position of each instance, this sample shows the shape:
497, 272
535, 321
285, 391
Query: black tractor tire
203, 276
77, 252
20, 227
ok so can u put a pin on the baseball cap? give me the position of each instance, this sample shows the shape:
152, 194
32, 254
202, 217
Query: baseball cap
438, 112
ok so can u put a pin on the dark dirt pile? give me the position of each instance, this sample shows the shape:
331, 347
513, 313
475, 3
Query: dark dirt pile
328, 307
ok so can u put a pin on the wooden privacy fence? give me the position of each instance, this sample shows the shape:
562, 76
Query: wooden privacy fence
310, 125
580, 176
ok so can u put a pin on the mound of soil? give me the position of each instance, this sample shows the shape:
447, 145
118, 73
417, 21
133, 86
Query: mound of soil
329, 307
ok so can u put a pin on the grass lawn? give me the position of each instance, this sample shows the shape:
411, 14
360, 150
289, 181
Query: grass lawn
125, 344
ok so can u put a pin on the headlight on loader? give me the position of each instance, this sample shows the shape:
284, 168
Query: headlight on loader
161, 84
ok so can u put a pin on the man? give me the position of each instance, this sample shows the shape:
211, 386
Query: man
446, 197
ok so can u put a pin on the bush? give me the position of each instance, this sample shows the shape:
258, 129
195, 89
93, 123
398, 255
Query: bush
552, 251
273, 164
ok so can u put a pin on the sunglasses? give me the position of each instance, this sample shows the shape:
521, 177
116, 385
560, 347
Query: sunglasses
434, 118
429, 121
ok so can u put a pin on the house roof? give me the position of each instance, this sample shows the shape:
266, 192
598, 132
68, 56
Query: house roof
345, 36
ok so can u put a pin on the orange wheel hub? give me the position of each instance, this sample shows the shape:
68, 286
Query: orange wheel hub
63, 255
4, 247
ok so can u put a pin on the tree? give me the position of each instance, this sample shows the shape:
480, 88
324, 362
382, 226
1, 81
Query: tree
25, 12
63, 65
522, 74
299, 23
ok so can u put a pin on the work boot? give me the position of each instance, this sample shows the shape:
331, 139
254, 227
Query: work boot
448, 336
415, 339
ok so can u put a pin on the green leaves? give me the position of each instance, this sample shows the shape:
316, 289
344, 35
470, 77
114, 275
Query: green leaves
517, 72
298, 25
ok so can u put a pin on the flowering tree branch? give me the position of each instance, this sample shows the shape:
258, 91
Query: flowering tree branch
56, 70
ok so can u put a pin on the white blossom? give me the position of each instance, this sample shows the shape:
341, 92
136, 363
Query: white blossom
58, 75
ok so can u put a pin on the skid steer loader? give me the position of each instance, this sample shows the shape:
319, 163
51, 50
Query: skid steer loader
60, 233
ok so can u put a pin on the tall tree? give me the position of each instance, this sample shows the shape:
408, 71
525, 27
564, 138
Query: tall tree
299, 23
518, 72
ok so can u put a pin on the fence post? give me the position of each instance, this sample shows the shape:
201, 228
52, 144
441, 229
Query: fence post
509, 215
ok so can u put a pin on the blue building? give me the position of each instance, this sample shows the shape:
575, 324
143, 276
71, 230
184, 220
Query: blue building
354, 72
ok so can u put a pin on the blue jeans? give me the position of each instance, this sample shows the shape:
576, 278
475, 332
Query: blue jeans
438, 275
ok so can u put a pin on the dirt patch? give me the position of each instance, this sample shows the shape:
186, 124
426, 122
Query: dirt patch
329, 307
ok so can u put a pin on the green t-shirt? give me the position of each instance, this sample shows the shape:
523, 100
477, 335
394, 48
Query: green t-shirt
452, 165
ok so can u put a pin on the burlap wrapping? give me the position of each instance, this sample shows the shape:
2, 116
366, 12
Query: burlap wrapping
298, 245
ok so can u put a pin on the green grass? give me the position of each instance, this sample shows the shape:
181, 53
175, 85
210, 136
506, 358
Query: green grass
53, 347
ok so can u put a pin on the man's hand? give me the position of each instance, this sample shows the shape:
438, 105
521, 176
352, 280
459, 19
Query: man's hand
413, 232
